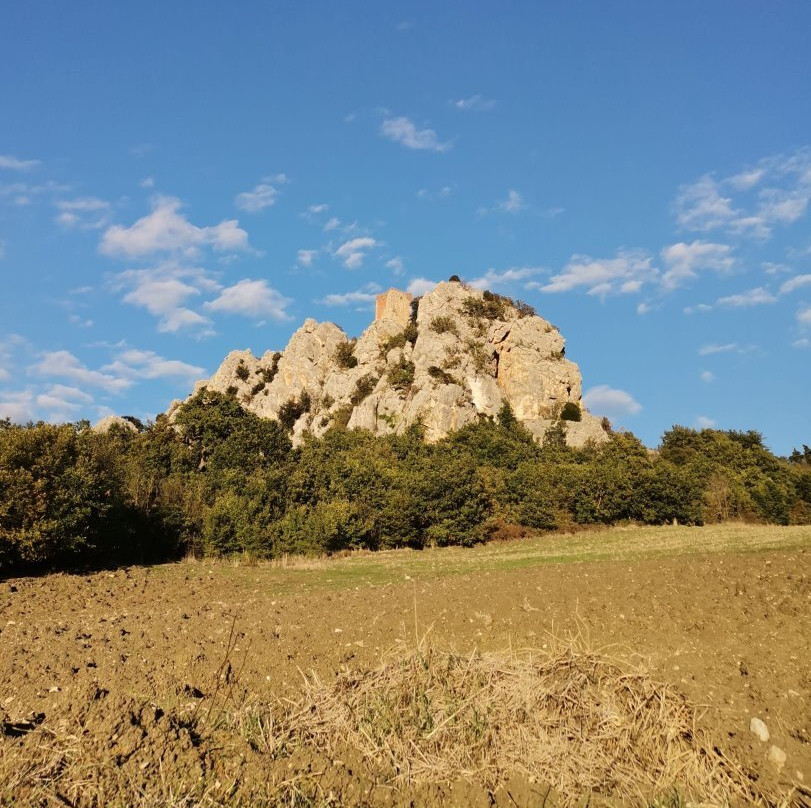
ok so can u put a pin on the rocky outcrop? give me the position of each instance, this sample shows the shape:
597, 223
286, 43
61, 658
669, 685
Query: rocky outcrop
460, 357
114, 422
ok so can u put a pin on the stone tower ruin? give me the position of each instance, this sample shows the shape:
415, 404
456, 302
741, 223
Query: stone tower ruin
394, 305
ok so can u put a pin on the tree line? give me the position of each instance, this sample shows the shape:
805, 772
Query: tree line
221, 480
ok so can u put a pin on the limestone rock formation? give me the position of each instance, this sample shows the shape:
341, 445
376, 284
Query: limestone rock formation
110, 421
445, 360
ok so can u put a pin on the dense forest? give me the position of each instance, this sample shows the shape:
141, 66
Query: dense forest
222, 481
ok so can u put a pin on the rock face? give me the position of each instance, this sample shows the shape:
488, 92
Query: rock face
110, 421
450, 357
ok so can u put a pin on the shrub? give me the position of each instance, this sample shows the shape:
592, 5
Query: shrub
441, 376
257, 388
269, 374
570, 412
401, 375
444, 325
344, 354
488, 307
293, 409
242, 371
363, 387
524, 309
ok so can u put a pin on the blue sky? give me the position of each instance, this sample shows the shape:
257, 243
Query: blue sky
182, 179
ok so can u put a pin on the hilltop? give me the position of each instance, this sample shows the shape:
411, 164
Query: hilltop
443, 359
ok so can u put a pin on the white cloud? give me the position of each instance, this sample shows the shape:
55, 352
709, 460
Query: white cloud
493, 277
395, 265
602, 277
17, 405
746, 179
352, 252
164, 291
251, 298
166, 230
15, 164
403, 131
441, 193
684, 261
607, 400
782, 198
514, 203
707, 376
701, 206
476, 103
333, 224
803, 342
86, 212
752, 297
262, 196
63, 364
703, 422
363, 297
316, 209
420, 286
707, 350
136, 364
60, 402
804, 316
795, 283
147, 182
305, 258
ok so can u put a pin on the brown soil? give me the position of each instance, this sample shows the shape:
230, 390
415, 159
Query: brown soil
148, 682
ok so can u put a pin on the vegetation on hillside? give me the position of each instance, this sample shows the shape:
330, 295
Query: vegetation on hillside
225, 481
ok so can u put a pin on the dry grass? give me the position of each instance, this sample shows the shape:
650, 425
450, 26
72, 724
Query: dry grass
578, 720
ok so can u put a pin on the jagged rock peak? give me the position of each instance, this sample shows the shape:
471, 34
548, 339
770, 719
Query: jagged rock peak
444, 359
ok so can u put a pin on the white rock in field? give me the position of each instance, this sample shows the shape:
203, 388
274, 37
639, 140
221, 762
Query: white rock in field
760, 729
454, 368
777, 756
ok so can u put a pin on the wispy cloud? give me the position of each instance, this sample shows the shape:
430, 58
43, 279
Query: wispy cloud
305, 258
792, 284
624, 274
513, 204
395, 265
401, 130
475, 103
262, 196
137, 364
85, 213
804, 316
752, 297
606, 400
420, 286
363, 297
12, 163
165, 229
703, 422
685, 261
352, 253
728, 347
164, 292
64, 365
494, 277
707, 376
775, 192
251, 298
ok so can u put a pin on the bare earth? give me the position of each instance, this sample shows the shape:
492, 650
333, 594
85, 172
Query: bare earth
723, 614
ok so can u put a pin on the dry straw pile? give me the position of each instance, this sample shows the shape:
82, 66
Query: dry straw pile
576, 719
